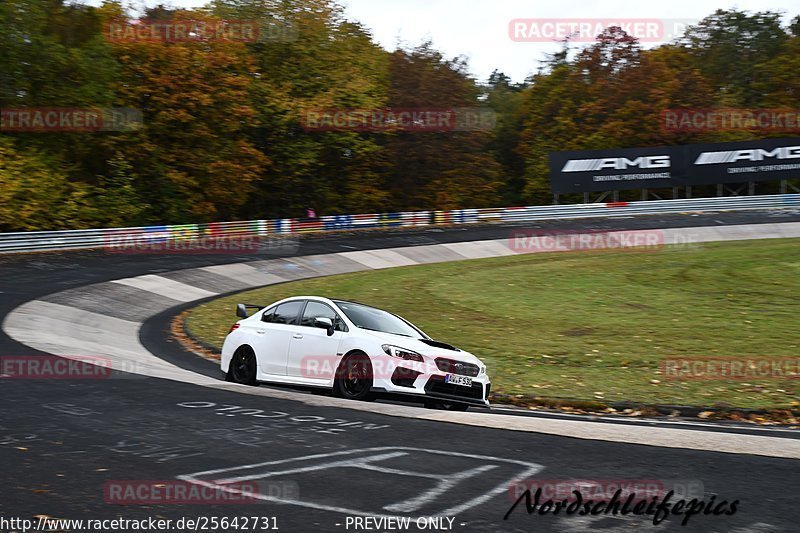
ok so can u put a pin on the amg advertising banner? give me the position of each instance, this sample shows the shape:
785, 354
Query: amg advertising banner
608, 170
768, 159
672, 166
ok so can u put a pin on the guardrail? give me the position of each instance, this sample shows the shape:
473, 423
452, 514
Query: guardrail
119, 238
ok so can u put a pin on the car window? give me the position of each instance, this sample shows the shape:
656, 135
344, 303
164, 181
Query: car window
287, 313
316, 310
366, 317
268, 315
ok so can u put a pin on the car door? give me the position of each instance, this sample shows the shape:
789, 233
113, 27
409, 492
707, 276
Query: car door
273, 335
312, 352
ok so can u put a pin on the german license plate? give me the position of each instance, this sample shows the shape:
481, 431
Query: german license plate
464, 381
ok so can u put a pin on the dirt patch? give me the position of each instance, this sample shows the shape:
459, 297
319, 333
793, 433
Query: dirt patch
179, 333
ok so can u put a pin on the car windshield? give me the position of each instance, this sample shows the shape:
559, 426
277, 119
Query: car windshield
373, 319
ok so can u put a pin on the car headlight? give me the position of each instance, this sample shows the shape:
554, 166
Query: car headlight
402, 353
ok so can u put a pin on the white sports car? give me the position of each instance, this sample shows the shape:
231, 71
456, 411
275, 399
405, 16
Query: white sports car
354, 349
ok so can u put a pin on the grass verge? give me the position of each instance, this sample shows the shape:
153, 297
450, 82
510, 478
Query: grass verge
589, 326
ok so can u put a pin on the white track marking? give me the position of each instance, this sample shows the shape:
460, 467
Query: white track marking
365, 459
166, 287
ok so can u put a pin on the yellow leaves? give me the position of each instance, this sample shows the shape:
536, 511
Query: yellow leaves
30, 192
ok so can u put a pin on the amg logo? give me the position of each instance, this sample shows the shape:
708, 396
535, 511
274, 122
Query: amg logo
617, 163
759, 154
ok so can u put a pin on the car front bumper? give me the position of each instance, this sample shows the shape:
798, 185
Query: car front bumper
407, 381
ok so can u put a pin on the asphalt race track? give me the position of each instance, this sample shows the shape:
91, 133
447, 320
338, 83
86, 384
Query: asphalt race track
67, 444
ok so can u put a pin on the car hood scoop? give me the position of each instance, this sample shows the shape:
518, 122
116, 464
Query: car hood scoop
439, 344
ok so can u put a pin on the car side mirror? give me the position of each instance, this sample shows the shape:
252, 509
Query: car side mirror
324, 323
241, 311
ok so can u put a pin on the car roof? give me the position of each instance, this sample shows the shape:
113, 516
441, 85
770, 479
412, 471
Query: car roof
325, 299
305, 297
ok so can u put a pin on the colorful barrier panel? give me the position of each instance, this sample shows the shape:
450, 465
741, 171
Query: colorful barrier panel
166, 235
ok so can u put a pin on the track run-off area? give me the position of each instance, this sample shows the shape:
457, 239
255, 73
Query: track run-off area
165, 414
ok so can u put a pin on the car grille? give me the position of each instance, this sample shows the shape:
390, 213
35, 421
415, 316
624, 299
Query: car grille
437, 385
457, 367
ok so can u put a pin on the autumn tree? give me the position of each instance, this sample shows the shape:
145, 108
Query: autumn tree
443, 170
313, 59
192, 155
504, 98
728, 45
33, 194
225, 132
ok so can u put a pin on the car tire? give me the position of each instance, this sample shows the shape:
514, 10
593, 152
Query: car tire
446, 406
243, 367
354, 378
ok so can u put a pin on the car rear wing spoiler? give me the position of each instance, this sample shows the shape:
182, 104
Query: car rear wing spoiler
241, 309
